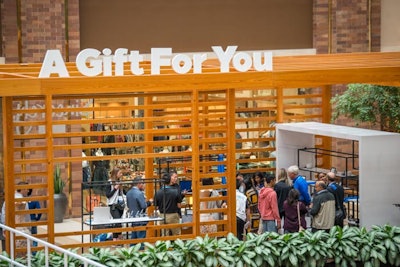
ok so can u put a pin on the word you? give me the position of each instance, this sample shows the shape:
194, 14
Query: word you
92, 62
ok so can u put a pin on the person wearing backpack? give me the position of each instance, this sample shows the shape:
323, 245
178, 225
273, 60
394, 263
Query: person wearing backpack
338, 191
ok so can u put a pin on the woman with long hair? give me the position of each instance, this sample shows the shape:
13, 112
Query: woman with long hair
282, 188
258, 180
115, 197
292, 207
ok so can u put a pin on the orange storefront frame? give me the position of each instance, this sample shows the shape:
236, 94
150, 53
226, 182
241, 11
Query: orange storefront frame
50, 121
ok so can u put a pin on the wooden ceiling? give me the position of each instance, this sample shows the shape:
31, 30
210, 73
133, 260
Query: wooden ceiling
288, 72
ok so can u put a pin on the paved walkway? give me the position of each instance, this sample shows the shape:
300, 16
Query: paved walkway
68, 225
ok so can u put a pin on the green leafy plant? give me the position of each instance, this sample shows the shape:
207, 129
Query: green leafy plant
288, 245
342, 242
374, 104
57, 259
372, 253
196, 252
348, 246
4, 263
314, 248
239, 254
59, 183
130, 257
266, 251
386, 244
104, 256
158, 254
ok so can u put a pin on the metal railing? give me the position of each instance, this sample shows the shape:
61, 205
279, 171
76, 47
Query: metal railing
47, 247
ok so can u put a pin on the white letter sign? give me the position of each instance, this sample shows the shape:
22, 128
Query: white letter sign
92, 62
53, 63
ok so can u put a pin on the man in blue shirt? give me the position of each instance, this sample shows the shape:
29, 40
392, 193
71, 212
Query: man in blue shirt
137, 204
299, 183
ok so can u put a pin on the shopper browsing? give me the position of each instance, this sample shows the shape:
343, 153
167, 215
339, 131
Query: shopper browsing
115, 198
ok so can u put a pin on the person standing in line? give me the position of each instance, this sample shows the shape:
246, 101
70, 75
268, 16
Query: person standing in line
282, 188
268, 206
168, 201
322, 208
338, 191
137, 204
322, 177
115, 198
175, 184
242, 211
100, 173
291, 211
258, 181
252, 198
239, 176
299, 183
86, 171
212, 204
34, 217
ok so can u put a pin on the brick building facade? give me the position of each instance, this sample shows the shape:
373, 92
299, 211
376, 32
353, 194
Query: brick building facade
33, 27
30, 28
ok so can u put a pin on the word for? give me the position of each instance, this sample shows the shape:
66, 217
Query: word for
92, 62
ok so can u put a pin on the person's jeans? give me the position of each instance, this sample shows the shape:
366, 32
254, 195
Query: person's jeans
269, 226
137, 235
33, 232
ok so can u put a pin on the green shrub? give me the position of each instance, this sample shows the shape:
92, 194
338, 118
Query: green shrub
348, 246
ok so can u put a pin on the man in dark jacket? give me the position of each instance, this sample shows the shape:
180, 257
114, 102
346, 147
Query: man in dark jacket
338, 191
282, 189
168, 201
322, 208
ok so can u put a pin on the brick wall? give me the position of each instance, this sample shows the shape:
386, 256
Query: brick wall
42, 28
349, 23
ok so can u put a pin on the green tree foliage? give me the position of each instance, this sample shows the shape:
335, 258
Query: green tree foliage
375, 104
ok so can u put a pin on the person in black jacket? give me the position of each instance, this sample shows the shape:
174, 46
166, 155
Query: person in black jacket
168, 201
282, 188
322, 208
115, 198
338, 191
175, 184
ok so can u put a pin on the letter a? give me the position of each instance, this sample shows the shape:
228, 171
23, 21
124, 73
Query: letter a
53, 63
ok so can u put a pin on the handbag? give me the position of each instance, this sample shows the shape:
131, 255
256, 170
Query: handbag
339, 216
299, 218
120, 202
120, 205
